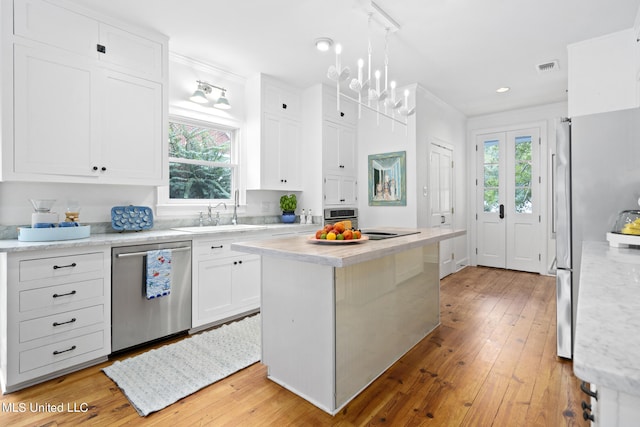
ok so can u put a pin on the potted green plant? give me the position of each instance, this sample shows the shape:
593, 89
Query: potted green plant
288, 204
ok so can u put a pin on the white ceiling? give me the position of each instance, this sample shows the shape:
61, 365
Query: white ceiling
460, 50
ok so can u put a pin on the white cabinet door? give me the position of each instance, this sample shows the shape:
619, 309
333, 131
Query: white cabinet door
340, 190
339, 149
246, 282
55, 113
214, 294
131, 130
280, 147
44, 22
131, 53
603, 74
281, 101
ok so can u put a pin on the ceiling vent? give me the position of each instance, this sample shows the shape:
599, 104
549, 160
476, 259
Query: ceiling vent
548, 67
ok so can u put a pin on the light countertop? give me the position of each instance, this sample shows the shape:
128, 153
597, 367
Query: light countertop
150, 236
301, 248
607, 339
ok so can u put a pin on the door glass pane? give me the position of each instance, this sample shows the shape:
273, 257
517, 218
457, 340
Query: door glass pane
491, 179
523, 202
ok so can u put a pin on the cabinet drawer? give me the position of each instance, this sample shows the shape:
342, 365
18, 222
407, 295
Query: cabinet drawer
47, 268
60, 351
60, 295
61, 322
214, 247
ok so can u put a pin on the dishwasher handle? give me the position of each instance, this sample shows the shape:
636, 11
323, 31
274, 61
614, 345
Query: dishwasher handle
143, 253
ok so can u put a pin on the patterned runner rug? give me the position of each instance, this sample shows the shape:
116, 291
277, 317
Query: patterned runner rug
160, 377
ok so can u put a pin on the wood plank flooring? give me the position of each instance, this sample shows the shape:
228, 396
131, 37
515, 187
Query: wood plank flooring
491, 362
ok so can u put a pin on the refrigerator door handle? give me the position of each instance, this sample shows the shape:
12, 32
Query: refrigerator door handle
501, 211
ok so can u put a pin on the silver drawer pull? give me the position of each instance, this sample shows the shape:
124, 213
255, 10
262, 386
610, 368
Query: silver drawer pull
73, 264
64, 323
56, 352
64, 295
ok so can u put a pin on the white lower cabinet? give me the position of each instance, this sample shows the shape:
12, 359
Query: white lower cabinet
226, 283
56, 314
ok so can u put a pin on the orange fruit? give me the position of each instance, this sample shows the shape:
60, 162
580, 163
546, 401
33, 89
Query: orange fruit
319, 233
331, 235
339, 227
328, 227
357, 234
348, 235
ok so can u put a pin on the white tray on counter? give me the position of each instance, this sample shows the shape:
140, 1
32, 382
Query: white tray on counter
28, 234
617, 240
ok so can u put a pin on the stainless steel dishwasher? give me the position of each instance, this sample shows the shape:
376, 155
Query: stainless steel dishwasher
136, 319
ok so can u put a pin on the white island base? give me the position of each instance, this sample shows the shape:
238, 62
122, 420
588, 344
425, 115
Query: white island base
328, 332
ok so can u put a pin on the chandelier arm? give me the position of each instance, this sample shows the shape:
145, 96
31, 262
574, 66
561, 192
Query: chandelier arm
344, 95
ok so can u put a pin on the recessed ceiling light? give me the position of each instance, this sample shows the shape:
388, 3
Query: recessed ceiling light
503, 89
323, 44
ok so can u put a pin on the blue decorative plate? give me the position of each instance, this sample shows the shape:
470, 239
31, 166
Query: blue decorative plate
131, 218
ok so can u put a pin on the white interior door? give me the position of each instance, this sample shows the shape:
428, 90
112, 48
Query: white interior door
508, 195
441, 190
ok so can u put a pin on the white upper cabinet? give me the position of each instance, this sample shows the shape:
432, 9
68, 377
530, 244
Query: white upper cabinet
603, 74
89, 100
346, 114
274, 135
60, 27
339, 148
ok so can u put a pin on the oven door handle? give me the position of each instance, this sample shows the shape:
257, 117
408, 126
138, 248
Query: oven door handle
142, 253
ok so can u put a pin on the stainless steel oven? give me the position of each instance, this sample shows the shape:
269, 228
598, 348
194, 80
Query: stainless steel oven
331, 216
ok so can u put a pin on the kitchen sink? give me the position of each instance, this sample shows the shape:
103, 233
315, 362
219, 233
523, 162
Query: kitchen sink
381, 235
219, 228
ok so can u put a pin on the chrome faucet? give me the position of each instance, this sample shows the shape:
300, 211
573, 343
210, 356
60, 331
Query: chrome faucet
215, 220
234, 220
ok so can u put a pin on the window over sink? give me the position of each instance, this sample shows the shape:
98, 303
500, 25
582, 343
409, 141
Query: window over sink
203, 163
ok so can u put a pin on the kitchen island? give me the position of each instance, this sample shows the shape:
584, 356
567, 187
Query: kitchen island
335, 316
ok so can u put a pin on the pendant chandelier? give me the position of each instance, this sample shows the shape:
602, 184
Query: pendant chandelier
370, 94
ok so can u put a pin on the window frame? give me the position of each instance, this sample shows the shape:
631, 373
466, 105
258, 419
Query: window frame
164, 199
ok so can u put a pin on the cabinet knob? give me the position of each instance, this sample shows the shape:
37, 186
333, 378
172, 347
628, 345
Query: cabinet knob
341, 114
284, 106
95, 168
103, 169
239, 262
235, 262
585, 406
588, 417
101, 48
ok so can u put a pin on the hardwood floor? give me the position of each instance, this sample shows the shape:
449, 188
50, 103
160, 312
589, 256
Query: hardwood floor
491, 362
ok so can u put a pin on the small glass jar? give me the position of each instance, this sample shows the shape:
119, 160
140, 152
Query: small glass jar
628, 222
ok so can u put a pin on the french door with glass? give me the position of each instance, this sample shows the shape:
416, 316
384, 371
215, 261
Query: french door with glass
508, 200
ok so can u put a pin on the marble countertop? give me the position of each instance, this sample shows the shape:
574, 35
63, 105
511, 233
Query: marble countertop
150, 236
607, 341
300, 248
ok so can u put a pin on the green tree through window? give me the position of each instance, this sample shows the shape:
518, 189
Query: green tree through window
200, 162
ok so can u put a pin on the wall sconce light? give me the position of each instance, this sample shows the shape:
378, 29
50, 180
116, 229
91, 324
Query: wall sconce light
204, 88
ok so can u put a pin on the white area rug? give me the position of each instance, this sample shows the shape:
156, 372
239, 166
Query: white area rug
160, 377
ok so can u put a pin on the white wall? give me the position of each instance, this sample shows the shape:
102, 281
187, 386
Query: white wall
548, 115
374, 138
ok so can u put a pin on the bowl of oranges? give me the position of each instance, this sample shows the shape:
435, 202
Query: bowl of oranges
337, 233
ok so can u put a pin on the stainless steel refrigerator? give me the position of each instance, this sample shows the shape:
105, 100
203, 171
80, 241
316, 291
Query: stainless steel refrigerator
597, 175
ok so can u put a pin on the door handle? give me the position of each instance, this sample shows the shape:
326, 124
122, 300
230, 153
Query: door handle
442, 219
501, 211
